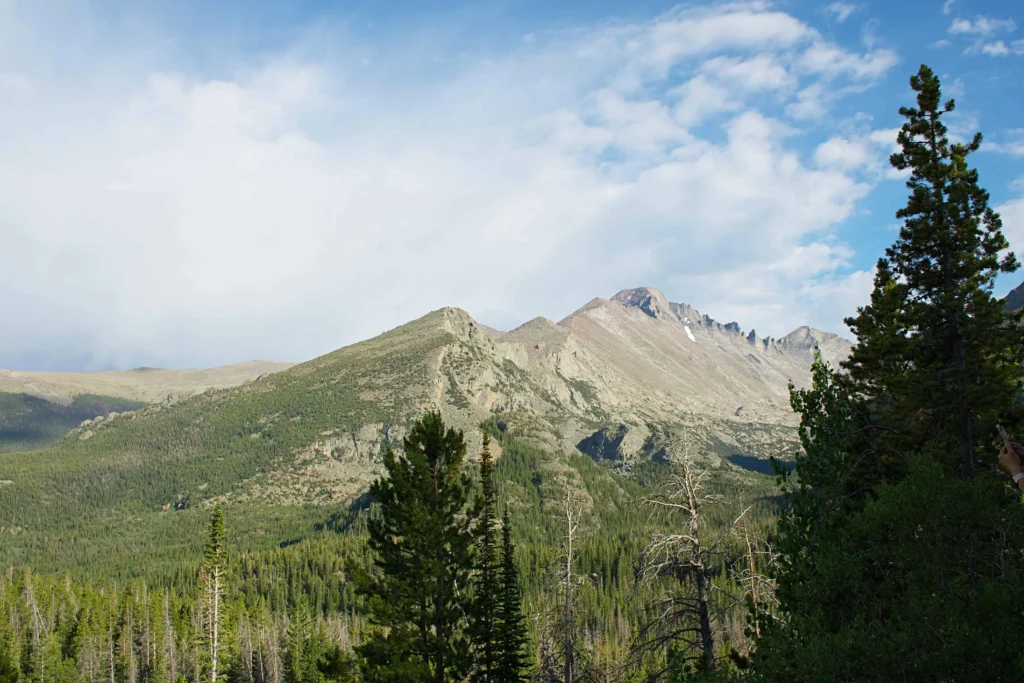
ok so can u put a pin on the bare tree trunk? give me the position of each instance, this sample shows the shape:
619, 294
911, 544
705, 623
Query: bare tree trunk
753, 588
215, 626
168, 644
707, 640
572, 516
110, 638
245, 646
683, 618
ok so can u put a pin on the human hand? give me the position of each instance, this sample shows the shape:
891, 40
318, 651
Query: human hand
1010, 457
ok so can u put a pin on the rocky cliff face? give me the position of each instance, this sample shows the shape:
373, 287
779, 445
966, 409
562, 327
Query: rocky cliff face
668, 374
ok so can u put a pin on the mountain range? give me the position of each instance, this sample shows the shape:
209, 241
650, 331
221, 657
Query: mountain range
620, 378
625, 380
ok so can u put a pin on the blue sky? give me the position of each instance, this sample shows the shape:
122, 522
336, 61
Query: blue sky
188, 184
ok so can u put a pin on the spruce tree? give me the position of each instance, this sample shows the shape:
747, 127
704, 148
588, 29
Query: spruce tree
891, 567
303, 646
511, 627
484, 628
213, 570
935, 353
423, 542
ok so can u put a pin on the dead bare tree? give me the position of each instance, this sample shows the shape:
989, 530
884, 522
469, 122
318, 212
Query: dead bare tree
685, 615
560, 655
754, 577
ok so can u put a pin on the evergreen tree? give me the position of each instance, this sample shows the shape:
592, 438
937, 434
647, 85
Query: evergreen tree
891, 567
511, 626
8, 672
423, 540
484, 628
936, 355
214, 565
303, 646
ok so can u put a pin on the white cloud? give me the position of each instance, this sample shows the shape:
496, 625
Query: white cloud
831, 60
981, 25
954, 86
995, 49
1012, 213
947, 6
841, 11
841, 153
759, 73
155, 215
864, 152
982, 29
1014, 143
809, 103
939, 44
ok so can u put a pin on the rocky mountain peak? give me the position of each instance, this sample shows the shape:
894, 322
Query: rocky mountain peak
647, 299
801, 337
538, 331
809, 337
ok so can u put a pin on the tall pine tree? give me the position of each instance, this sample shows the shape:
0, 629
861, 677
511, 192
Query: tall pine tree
484, 631
935, 354
892, 567
511, 626
213, 569
423, 540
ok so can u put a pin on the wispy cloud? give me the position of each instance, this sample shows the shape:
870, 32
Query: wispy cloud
1013, 143
947, 6
840, 11
313, 197
981, 26
983, 30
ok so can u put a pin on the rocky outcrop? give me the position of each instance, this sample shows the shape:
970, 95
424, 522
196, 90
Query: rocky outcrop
614, 444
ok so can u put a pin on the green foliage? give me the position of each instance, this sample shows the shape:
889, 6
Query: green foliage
892, 567
839, 457
936, 354
212, 575
511, 629
303, 648
423, 545
924, 583
126, 563
56, 630
85, 501
484, 617
28, 422
8, 672
215, 556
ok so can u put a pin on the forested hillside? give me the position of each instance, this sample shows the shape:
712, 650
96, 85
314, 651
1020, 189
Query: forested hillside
28, 422
309, 569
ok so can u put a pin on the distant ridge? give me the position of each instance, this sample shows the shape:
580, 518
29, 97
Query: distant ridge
144, 384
